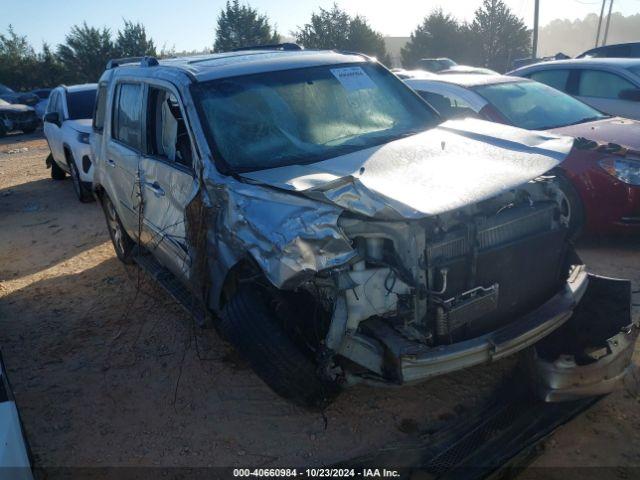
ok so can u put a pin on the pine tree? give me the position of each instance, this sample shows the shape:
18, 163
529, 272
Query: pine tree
242, 26
335, 29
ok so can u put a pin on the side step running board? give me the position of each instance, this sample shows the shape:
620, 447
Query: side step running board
173, 286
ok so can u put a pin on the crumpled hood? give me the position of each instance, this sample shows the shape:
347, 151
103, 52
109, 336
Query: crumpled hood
83, 125
622, 131
458, 163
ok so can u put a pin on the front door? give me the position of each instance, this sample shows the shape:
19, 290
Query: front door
168, 181
602, 90
53, 131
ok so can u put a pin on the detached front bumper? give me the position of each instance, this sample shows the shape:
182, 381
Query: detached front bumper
591, 354
518, 335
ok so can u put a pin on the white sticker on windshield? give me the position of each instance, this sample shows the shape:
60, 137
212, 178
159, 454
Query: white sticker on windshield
353, 78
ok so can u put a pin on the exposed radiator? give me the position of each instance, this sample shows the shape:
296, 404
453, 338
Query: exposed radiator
505, 227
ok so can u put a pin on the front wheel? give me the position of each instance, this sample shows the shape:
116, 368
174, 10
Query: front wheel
252, 328
56, 172
83, 194
571, 209
122, 242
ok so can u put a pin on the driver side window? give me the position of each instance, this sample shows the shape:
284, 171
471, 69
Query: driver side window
167, 136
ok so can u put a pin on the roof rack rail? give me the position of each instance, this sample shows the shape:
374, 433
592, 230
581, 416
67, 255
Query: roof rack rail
143, 61
275, 46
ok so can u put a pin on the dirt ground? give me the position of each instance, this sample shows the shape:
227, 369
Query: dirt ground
106, 374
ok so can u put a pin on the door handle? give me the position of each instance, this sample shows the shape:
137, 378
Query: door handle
156, 188
111, 163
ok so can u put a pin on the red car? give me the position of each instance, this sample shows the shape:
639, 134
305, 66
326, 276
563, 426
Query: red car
603, 170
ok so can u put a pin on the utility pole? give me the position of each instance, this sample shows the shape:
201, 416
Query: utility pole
606, 28
536, 12
600, 21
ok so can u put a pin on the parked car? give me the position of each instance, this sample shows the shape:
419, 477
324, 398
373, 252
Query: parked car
619, 50
43, 101
402, 73
604, 191
23, 98
458, 69
67, 126
15, 455
16, 117
611, 85
435, 64
313, 203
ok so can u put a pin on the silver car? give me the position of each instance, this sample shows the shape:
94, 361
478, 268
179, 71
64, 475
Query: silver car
337, 231
612, 85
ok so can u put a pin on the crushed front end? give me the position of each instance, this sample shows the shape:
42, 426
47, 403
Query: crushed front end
426, 297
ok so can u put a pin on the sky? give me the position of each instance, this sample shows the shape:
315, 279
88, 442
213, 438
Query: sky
190, 24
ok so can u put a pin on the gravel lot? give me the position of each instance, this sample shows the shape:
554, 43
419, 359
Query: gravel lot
108, 374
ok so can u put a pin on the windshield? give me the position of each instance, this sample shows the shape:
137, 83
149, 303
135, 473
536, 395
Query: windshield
535, 106
306, 115
80, 104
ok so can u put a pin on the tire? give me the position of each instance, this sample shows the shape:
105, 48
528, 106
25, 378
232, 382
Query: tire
571, 206
249, 325
29, 130
3, 131
83, 194
56, 172
122, 242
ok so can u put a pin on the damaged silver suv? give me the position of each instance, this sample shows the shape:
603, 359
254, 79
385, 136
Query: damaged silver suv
334, 228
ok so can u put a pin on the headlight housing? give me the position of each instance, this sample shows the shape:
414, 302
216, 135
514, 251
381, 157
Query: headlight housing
83, 137
624, 169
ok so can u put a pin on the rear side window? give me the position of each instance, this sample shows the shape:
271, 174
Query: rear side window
554, 78
596, 83
101, 106
127, 115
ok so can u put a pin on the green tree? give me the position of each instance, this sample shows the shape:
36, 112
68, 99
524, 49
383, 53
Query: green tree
439, 35
499, 36
49, 71
17, 60
242, 26
336, 29
132, 41
85, 53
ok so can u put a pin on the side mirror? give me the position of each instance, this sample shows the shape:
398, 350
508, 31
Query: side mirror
52, 117
631, 94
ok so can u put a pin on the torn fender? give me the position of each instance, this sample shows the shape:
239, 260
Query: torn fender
289, 236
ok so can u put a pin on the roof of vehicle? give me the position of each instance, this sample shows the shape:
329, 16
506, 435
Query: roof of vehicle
468, 79
246, 62
468, 69
606, 47
584, 62
81, 87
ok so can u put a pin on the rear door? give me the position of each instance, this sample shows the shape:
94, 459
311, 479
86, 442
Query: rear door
53, 131
122, 150
168, 180
601, 89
